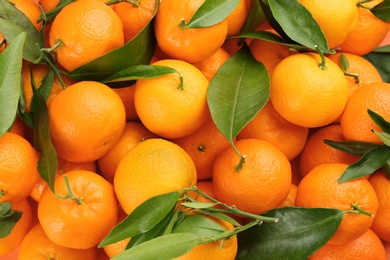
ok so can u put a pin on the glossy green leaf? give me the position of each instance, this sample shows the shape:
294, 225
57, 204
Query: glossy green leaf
137, 51
352, 147
379, 120
220, 216
385, 137
254, 18
8, 218
143, 218
237, 92
298, 23
198, 205
211, 13
344, 63
368, 164
297, 235
200, 225
382, 49
47, 84
48, 161
138, 72
161, 248
10, 81
381, 61
382, 10
12, 23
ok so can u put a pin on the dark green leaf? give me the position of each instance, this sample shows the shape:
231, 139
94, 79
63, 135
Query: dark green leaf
254, 18
220, 216
171, 222
344, 63
137, 51
155, 231
138, 72
382, 49
385, 137
352, 147
10, 80
382, 10
298, 234
47, 84
237, 92
200, 225
8, 218
386, 168
161, 248
368, 164
298, 23
48, 161
381, 61
198, 205
143, 218
379, 120
211, 13
12, 23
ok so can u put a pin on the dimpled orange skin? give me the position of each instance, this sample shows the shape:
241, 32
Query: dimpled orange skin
86, 120
92, 29
188, 44
81, 226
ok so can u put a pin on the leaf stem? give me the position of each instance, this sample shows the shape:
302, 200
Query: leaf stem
322, 65
242, 157
70, 193
358, 210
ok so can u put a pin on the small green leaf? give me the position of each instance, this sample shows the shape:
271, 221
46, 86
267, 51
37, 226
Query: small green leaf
381, 61
137, 51
298, 23
368, 164
13, 22
344, 63
297, 235
198, 205
379, 120
10, 81
48, 162
161, 248
143, 218
237, 92
8, 218
382, 11
5, 209
138, 72
352, 147
211, 13
200, 225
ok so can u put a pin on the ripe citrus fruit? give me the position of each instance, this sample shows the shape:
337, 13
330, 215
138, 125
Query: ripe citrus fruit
116, 248
290, 200
381, 225
96, 31
36, 245
134, 16
86, 120
152, 167
13, 239
77, 222
134, 133
236, 19
355, 121
187, 44
261, 184
304, 93
18, 127
316, 152
368, 33
270, 126
127, 96
367, 246
171, 109
336, 19
204, 145
31, 10
18, 168
320, 188
211, 65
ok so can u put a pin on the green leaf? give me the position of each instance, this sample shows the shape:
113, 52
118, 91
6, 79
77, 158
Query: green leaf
143, 218
211, 13
344, 63
352, 147
10, 81
12, 23
138, 72
48, 162
47, 84
198, 205
379, 120
298, 23
368, 164
220, 216
254, 18
385, 137
298, 234
237, 92
161, 248
382, 49
386, 168
137, 51
200, 225
381, 61
382, 10
8, 218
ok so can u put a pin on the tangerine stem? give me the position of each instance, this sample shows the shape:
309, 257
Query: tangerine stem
322, 64
358, 210
181, 84
242, 157
355, 75
70, 193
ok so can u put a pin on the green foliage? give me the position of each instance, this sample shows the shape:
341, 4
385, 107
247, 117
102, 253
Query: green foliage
380, 58
382, 10
8, 218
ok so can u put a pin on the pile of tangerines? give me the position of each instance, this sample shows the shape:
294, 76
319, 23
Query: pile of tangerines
118, 147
